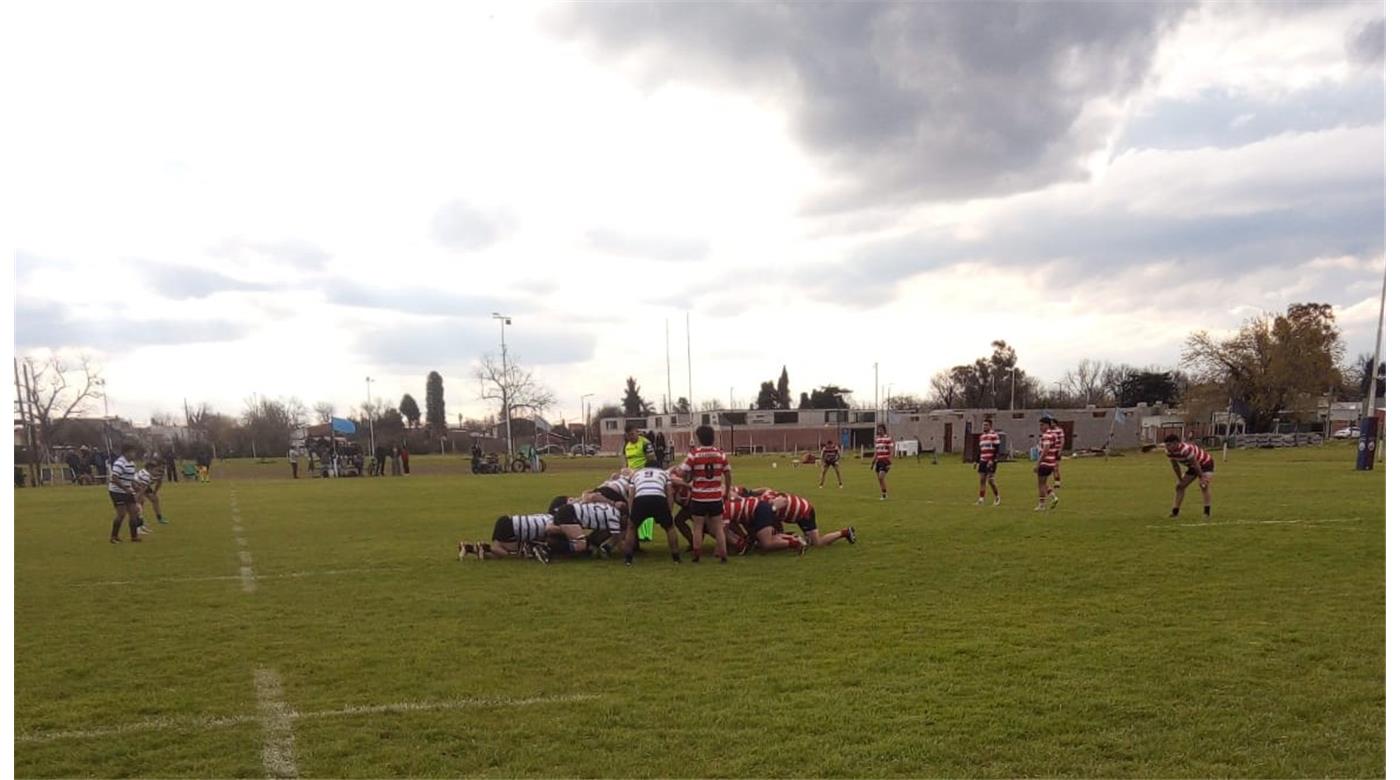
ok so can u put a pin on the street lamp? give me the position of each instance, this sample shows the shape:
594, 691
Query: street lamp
369, 414
585, 420
106, 419
505, 384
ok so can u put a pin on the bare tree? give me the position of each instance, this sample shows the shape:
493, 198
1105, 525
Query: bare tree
943, 389
1086, 384
56, 391
297, 412
164, 418
513, 384
712, 405
325, 410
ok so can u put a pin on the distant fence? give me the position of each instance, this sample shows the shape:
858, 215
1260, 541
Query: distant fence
1268, 440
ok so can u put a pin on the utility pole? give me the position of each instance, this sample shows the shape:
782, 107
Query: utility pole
666, 407
689, 387
877, 391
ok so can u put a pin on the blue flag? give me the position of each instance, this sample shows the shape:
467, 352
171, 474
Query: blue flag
342, 425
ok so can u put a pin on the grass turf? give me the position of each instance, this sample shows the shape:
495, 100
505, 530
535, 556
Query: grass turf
1101, 639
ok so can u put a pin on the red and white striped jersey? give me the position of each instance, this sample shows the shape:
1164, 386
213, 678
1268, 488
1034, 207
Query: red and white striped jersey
1185, 452
830, 452
740, 510
1049, 452
884, 448
704, 468
797, 508
988, 444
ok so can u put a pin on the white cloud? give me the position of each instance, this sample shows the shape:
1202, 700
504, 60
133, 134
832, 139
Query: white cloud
391, 178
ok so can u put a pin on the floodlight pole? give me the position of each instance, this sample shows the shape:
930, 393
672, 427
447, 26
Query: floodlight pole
585, 421
369, 415
106, 418
505, 386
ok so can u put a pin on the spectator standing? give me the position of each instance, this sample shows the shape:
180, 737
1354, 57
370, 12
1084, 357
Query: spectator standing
172, 471
394, 462
403, 454
294, 459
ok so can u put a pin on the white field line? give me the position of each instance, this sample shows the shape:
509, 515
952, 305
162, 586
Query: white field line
1228, 523
222, 577
245, 558
199, 723
279, 744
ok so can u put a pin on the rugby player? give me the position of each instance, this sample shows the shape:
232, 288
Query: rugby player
513, 536
706, 470
760, 523
988, 444
798, 511
1059, 432
884, 452
649, 495
1199, 466
1045, 464
831, 459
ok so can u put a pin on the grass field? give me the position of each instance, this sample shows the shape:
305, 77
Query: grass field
1102, 639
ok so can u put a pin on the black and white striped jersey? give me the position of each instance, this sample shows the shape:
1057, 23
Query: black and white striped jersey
650, 482
530, 528
599, 517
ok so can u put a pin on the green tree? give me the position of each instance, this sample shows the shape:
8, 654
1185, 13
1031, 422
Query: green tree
682, 405
784, 391
1275, 362
633, 405
767, 396
437, 409
409, 409
828, 397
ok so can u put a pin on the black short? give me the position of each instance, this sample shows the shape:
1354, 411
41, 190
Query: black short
1045, 471
988, 467
1208, 473
830, 461
655, 507
763, 517
706, 508
121, 499
610, 494
504, 530
566, 515
808, 524
882, 466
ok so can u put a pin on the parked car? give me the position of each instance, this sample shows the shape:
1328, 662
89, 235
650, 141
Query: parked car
1348, 433
583, 449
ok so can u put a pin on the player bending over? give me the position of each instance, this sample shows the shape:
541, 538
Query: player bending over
831, 459
756, 516
798, 511
148, 481
586, 526
706, 470
515, 536
884, 451
1045, 465
649, 495
988, 444
1199, 466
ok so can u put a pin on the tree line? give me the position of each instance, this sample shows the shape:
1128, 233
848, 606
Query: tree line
1275, 363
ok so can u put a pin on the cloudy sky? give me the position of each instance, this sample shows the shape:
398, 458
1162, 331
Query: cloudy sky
282, 198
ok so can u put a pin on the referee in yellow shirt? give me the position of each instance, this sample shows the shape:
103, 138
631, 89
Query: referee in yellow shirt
637, 452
